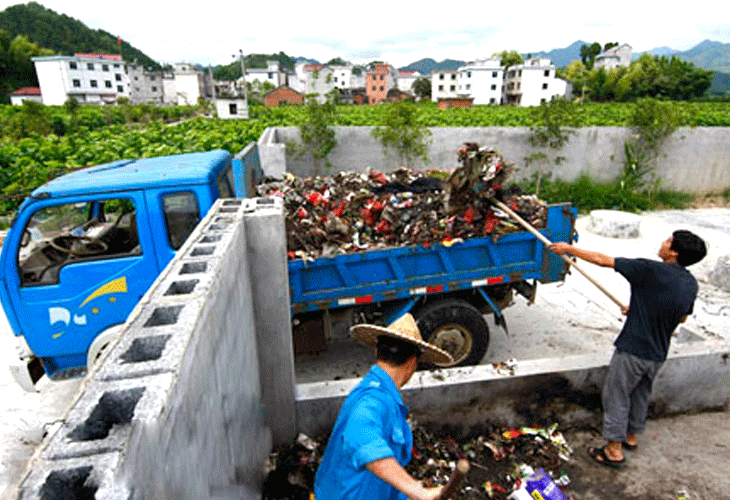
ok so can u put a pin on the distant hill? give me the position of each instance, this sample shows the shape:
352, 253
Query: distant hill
428, 65
562, 57
65, 35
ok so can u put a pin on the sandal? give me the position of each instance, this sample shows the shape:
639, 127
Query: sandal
599, 455
628, 446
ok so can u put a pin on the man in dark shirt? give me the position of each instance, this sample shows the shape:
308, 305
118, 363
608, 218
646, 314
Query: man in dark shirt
662, 296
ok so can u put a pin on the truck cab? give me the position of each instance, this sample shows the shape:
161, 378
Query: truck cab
86, 246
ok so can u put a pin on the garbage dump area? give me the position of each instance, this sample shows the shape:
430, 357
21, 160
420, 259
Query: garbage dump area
504, 464
353, 212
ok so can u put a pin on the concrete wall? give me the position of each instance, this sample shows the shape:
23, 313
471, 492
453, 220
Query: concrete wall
176, 410
694, 160
565, 390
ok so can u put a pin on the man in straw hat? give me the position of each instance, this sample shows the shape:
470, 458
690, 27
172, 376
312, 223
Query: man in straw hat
371, 441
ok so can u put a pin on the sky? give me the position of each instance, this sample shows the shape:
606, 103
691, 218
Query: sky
399, 33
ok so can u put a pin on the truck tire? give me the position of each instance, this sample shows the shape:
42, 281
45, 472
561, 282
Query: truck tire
458, 328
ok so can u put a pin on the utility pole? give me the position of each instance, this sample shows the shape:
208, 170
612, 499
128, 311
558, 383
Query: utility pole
243, 75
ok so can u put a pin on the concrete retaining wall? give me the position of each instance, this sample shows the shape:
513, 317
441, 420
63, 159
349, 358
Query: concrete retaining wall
693, 160
564, 390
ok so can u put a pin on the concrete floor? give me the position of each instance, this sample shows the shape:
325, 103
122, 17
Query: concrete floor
688, 451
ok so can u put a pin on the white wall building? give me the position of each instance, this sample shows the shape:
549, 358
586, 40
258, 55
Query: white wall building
482, 80
26, 94
614, 58
444, 83
228, 108
271, 74
189, 84
531, 83
406, 79
145, 86
89, 78
342, 76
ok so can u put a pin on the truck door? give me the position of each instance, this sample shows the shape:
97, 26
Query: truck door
81, 267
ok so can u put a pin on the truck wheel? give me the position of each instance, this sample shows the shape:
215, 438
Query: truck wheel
458, 328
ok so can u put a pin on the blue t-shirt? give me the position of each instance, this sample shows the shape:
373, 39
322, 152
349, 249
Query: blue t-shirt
661, 294
371, 425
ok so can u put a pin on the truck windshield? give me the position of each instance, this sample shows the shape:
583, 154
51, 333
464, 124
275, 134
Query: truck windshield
73, 232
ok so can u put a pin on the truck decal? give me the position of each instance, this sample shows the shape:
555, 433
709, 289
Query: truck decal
61, 314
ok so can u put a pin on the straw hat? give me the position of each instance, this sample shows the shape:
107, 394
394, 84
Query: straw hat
404, 328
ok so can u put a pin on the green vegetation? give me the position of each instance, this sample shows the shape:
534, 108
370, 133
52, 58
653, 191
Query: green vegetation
318, 136
403, 133
40, 142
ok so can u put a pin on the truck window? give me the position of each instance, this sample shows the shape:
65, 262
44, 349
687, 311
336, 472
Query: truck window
226, 183
74, 232
181, 217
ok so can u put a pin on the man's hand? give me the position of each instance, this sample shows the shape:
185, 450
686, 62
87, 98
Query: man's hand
560, 248
390, 471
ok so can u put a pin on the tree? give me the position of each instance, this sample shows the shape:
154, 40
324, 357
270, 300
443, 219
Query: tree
588, 54
403, 133
609, 46
337, 61
509, 58
422, 88
317, 133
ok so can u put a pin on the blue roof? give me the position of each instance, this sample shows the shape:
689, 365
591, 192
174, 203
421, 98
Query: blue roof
125, 175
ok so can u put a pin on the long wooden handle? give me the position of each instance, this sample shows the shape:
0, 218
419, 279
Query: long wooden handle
462, 467
542, 238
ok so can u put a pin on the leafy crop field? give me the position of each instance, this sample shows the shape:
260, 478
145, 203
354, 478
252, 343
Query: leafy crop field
38, 143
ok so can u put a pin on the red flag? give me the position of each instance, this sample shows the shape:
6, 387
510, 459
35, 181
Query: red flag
119, 41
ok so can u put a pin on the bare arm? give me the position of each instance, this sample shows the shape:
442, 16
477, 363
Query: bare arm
596, 258
389, 470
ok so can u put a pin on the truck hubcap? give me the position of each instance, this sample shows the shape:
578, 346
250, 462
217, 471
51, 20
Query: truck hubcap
454, 339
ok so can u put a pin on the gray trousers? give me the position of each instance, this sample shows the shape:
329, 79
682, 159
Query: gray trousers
625, 396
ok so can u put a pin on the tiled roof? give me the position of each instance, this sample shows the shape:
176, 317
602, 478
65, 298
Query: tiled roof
95, 55
27, 91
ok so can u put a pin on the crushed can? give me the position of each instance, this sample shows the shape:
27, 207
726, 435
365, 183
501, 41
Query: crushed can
541, 487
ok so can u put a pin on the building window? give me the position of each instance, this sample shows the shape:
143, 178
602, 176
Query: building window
116, 65
468, 86
493, 87
441, 76
76, 83
152, 78
547, 72
72, 65
233, 109
441, 87
136, 78
494, 74
271, 75
382, 88
136, 89
374, 88
453, 76
335, 79
108, 84
452, 88
154, 89
468, 74
90, 66
92, 83
105, 67
120, 88
544, 86
118, 77
491, 100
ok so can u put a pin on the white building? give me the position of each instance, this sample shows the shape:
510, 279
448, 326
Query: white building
614, 58
444, 83
271, 74
342, 76
190, 84
314, 79
406, 79
227, 108
482, 80
89, 78
145, 86
531, 83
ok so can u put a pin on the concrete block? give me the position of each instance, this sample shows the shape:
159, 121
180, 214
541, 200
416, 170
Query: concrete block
102, 420
720, 275
614, 224
92, 477
155, 342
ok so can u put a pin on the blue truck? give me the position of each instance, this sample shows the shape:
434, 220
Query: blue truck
85, 247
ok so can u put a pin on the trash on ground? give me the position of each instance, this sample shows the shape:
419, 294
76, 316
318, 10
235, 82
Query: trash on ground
502, 462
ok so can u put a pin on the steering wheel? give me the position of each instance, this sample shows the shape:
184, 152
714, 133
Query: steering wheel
89, 246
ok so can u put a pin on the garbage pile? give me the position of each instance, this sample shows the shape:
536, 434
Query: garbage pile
353, 212
500, 462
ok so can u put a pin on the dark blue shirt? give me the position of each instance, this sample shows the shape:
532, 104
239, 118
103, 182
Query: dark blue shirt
661, 294
371, 425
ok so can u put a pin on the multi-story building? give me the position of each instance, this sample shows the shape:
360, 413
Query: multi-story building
531, 83
482, 80
444, 84
614, 57
406, 79
89, 78
272, 74
316, 79
342, 76
145, 86
190, 84
378, 81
